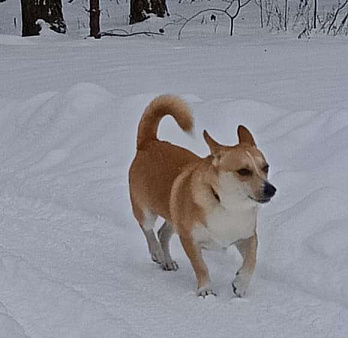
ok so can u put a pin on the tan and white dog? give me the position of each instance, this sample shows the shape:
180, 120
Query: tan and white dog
211, 202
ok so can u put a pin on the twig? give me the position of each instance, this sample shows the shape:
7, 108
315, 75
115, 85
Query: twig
116, 29
174, 22
224, 11
245, 3
342, 24
199, 13
335, 16
305, 31
126, 35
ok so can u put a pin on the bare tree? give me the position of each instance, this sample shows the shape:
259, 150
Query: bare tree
48, 10
94, 19
227, 11
286, 10
140, 9
315, 14
260, 4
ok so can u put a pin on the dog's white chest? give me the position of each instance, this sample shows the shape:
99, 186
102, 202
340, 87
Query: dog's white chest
225, 227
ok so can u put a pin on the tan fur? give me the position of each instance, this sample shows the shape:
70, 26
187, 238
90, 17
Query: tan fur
158, 163
156, 110
210, 202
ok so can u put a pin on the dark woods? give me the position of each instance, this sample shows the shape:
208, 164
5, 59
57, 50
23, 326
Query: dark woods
48, 10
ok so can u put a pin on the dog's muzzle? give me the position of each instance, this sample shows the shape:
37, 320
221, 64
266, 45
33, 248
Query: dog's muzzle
268, 192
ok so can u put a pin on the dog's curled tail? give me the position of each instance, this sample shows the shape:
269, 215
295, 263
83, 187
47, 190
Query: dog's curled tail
158, 108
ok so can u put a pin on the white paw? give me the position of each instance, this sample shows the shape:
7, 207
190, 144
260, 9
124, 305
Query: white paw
241, 283
205, 291
170, 265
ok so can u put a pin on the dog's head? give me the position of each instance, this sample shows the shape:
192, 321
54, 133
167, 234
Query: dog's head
242, 166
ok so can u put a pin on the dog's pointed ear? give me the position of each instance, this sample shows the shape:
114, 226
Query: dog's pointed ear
212, 144
244, 136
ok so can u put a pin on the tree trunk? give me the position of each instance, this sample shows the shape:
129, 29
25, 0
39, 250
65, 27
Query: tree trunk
286, 15
315, 14
261, 13
47, 10
94, 19
140, 9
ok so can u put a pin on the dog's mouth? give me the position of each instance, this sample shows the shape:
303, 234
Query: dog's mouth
260, 200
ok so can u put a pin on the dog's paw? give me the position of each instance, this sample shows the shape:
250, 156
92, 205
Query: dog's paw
170, 266
205, 291
240, 284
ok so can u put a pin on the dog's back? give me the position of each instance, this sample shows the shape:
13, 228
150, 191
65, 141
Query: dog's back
158, 163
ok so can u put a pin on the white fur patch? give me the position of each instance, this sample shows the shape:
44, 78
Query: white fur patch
149, 220
234, 218
225, 227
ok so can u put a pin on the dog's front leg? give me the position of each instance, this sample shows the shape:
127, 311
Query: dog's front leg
194, 253
248, 249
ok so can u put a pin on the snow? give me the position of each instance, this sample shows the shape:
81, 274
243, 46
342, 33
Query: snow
73, 261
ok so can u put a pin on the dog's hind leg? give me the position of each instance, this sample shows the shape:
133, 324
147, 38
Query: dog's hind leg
247, 249
154, 246
164, 235
155, 249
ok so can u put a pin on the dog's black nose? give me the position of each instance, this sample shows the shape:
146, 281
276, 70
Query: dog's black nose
269, 190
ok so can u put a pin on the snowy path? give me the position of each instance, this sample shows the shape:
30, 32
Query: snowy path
77, 277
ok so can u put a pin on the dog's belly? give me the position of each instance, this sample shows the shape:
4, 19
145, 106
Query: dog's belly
224, 228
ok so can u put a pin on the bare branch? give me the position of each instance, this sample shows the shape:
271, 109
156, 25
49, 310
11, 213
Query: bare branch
342, 24
199, 13
243, 5
116, 29
126, 35
174, 22
224, 11
336, 15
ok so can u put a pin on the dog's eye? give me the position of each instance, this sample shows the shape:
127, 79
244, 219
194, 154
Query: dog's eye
244, 172
265, 168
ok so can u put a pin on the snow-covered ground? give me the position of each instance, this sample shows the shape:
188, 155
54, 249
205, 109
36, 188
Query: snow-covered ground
73, 262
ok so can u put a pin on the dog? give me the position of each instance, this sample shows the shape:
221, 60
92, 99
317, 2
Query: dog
211, 202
